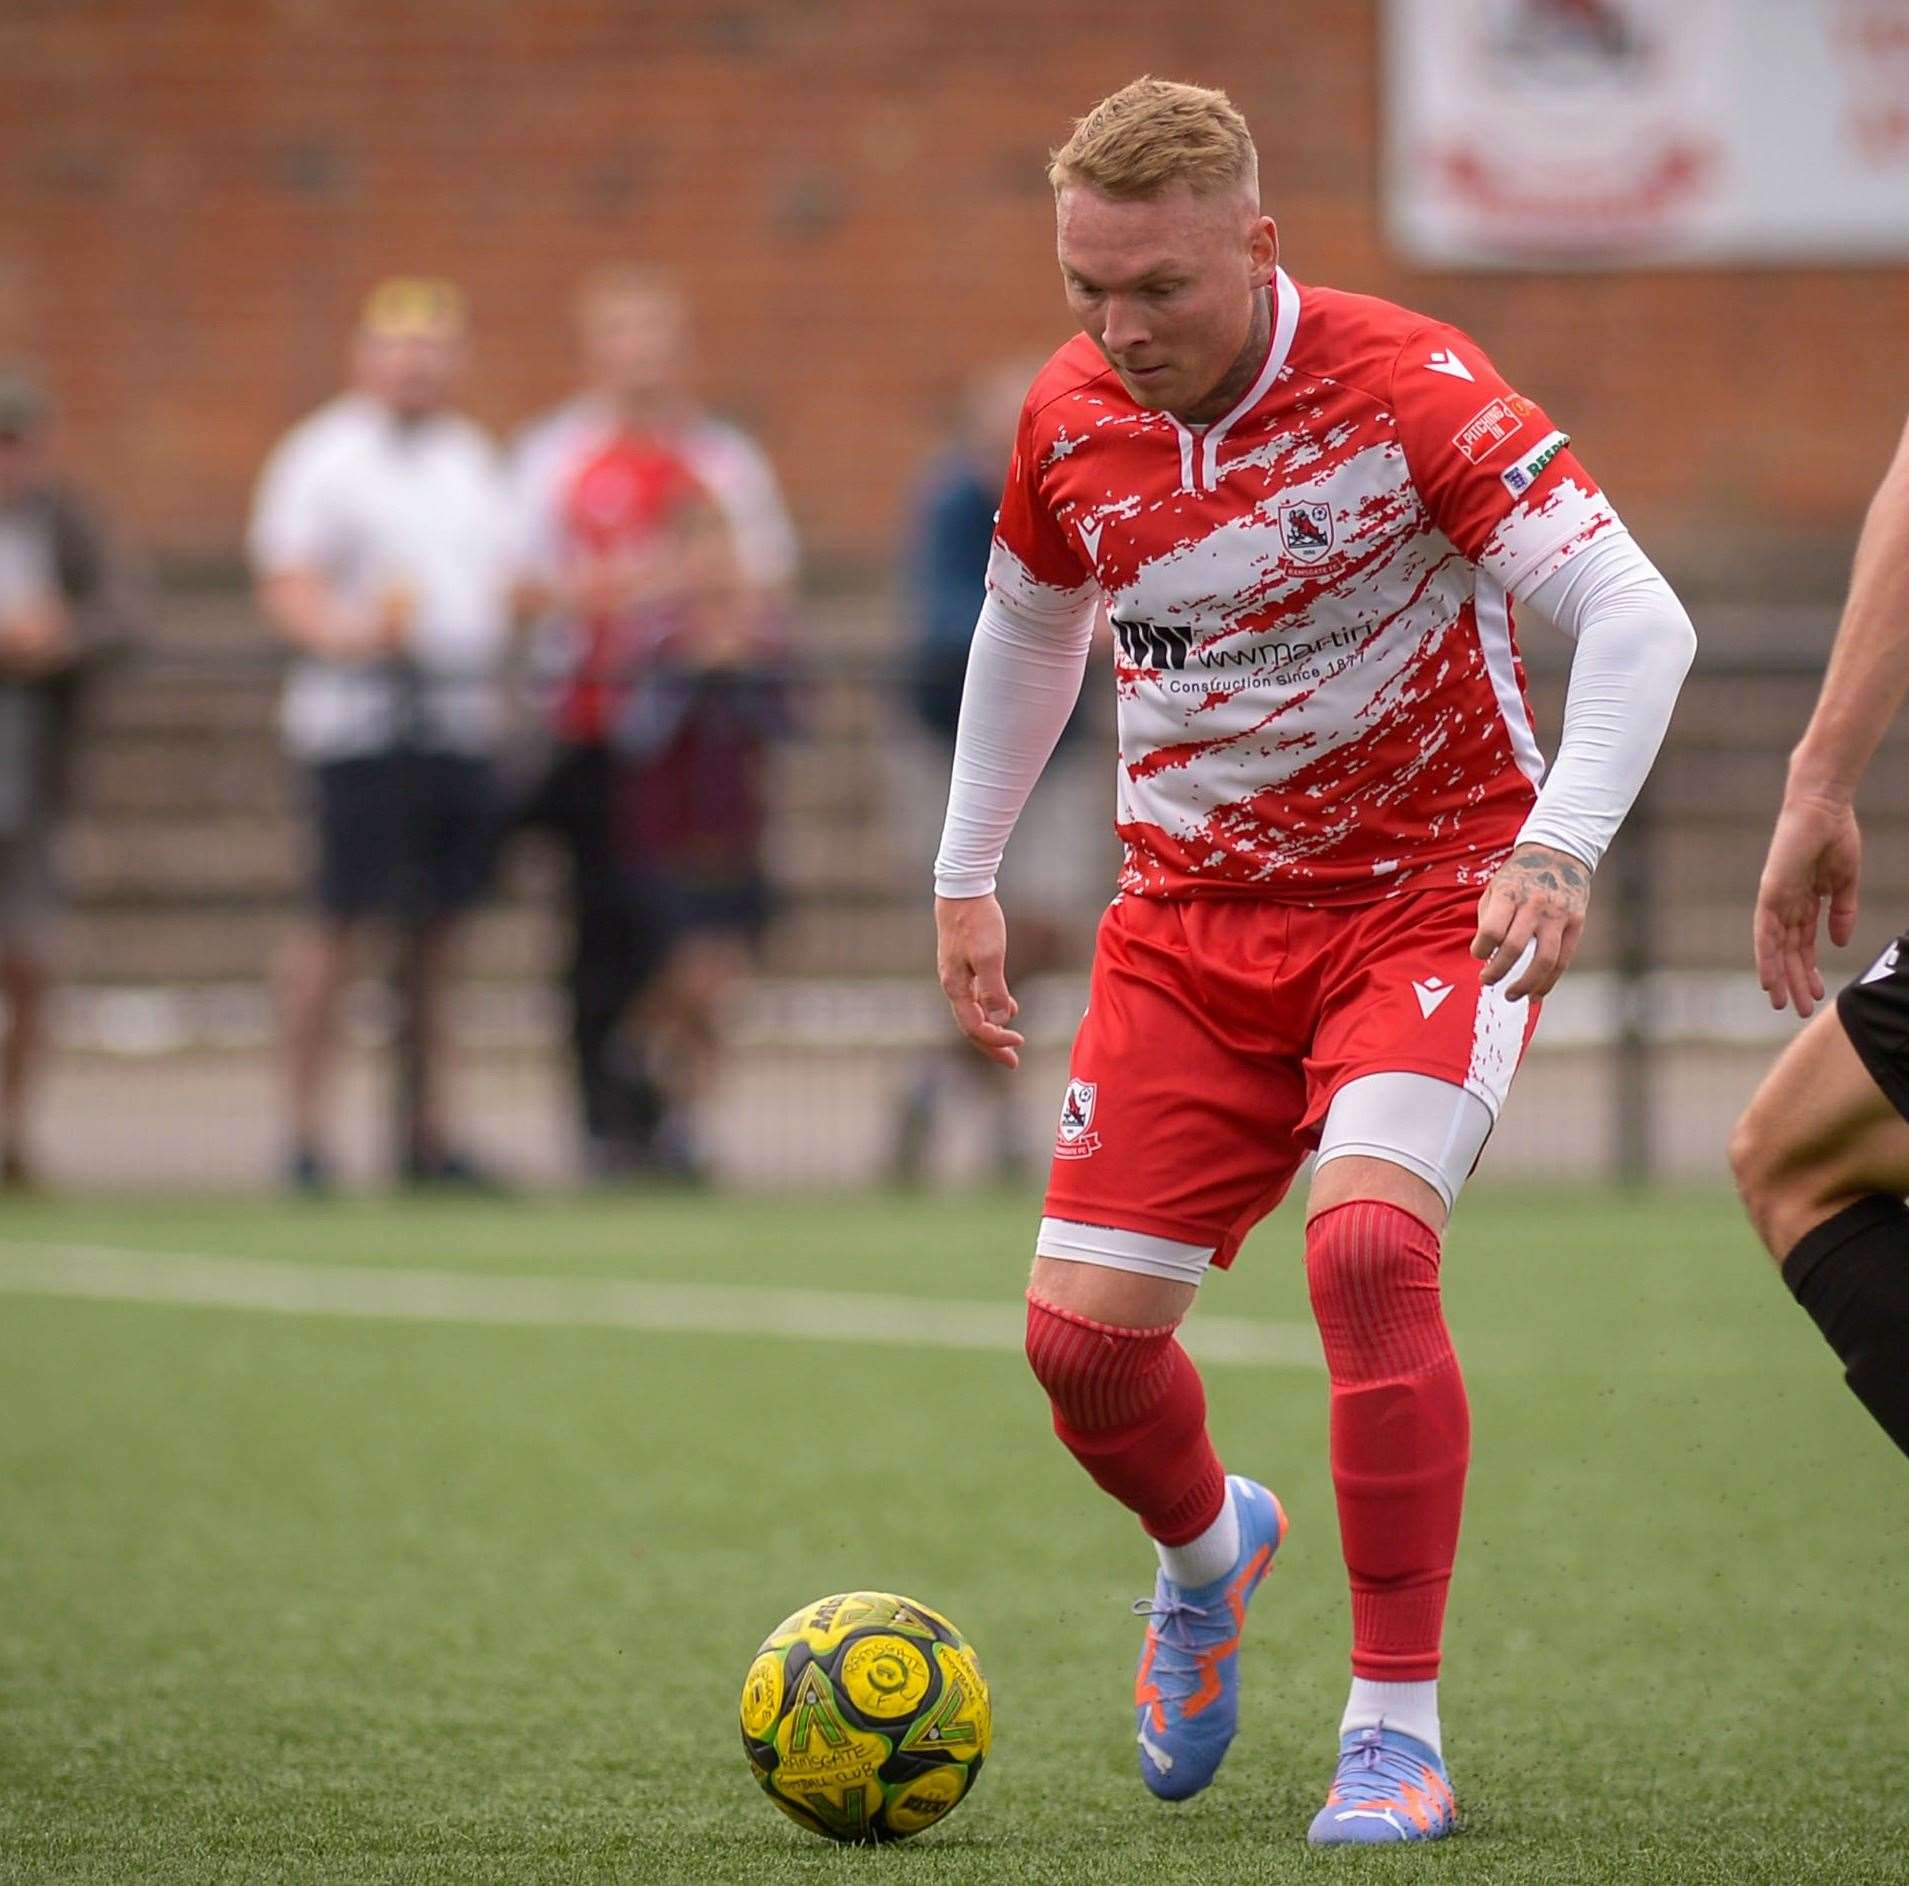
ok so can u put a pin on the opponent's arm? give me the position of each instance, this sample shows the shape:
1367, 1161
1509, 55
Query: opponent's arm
1024, 676
1816, 849
1634, 646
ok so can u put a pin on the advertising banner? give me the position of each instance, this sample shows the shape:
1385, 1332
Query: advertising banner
1613, 133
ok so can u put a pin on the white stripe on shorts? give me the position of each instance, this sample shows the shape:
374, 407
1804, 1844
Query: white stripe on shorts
1498, 1037
1114, 1249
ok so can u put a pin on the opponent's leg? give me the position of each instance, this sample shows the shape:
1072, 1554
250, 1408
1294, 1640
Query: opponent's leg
1821, 1158
1129, 1406
1394, 1150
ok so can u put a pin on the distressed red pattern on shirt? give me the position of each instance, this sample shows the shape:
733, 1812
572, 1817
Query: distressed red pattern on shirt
1320, 693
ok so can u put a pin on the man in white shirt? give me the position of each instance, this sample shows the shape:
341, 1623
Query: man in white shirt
382, 543
654, 922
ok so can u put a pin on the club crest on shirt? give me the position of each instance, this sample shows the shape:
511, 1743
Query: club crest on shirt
1075, 1139
1305, 530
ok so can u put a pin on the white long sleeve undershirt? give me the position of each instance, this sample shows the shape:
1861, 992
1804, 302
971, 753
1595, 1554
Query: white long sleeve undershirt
1634, 645
1024, 674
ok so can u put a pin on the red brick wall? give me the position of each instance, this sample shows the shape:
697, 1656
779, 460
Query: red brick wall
193, 198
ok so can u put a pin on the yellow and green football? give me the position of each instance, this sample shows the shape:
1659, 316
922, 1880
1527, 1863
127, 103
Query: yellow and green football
865, 1716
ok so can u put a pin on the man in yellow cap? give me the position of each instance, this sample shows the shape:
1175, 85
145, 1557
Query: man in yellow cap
382, 546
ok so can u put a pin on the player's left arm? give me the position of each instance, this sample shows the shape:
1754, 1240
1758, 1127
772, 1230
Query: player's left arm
1502, 483
1634, 645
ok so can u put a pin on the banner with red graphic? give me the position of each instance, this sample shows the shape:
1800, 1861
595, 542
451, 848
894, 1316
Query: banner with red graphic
1631, 133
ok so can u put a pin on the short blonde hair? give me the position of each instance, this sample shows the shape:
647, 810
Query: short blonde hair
407, 305
1153, 134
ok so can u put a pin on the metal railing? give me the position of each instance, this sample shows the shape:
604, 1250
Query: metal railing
186, 826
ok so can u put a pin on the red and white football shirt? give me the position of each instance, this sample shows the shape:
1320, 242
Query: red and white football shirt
1320, 696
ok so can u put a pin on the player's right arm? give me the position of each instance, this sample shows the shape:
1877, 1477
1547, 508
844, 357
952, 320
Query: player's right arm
1024, 673
1816, 850
290, 544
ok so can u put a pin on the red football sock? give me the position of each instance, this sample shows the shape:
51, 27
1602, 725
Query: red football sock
1401, 1430
1129, 1407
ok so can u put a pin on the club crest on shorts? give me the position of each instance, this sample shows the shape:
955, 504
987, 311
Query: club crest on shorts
1305, 530
1076, 1138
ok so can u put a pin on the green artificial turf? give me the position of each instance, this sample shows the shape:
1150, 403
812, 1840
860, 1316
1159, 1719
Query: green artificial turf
321, 1599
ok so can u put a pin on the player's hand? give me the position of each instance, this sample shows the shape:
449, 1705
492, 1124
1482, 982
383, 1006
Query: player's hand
601, 585
37, 639
971, 950
1538, 896
370, 634
1816, 852
396, 616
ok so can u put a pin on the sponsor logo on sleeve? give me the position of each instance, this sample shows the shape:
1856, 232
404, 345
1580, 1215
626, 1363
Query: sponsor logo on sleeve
1486, 430
1519, 478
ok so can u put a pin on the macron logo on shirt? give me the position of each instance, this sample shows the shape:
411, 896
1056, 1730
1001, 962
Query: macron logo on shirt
1445, 361
1090, 541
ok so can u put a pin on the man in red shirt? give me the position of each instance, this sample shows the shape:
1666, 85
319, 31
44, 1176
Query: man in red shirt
1347, 878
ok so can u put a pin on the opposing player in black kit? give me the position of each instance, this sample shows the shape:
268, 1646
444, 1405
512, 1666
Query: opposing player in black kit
1821, 1154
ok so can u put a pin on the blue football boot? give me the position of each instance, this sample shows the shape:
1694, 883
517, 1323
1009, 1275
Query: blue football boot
1389, 1787
1187, 1690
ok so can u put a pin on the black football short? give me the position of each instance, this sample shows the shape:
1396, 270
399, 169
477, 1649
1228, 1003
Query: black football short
409, 836
1875, 1012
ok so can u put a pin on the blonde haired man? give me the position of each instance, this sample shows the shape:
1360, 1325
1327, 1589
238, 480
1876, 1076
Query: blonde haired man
381, 544
1347, 878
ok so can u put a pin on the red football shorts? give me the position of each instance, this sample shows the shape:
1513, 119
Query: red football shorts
1219, 1030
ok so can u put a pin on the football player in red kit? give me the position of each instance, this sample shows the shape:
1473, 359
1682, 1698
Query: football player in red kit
1348, 879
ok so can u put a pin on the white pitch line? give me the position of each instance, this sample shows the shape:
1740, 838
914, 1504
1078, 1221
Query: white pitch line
440, 1296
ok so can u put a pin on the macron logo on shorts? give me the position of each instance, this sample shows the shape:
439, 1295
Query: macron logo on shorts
1431, 992
1884, 965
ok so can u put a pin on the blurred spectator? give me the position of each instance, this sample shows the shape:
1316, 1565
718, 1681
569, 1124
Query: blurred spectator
65, 606
660, 537
1060, 869
382, 542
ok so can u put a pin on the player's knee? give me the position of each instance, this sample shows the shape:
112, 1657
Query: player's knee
1369, 1251
1372, 1274
1763, 1164
1095, 1373
1749, 1156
